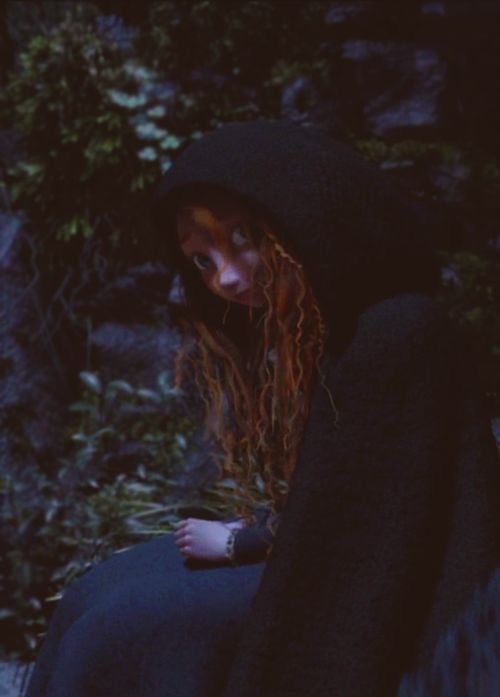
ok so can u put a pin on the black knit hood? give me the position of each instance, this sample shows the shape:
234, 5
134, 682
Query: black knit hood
356, 237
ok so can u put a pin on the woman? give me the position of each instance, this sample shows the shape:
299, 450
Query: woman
329, 372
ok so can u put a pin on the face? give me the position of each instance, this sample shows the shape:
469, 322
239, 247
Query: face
216, 239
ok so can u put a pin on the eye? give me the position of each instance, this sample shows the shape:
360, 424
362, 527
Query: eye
200, 261
239, 237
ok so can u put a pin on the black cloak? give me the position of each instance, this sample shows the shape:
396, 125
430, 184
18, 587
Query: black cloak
393, 516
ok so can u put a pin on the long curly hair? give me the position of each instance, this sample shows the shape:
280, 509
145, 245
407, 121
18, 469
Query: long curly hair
255, 369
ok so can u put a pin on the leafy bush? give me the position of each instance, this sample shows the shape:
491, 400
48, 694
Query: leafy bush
123, 478
25, 20
231, 62
97, 125
471, 292
91, 145
115, 485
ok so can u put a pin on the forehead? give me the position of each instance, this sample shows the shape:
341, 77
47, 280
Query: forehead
207, 220
197, 225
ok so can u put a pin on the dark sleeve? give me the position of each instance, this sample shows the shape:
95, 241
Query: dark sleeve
254, 543
391, 521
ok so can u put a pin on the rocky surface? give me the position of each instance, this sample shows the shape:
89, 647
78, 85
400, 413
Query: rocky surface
416, 69
12, 678
32, 380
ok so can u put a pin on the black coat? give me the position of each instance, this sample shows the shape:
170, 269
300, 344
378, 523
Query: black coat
392, 519
393, 516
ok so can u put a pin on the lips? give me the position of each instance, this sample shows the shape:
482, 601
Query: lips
246, 297
243, 296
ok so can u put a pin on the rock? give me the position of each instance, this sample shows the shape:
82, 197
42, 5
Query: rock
342, 12
466, 659
9, 238
13, 678
434, 9
134, 352
32, 381
399, 85
112, 28
450, 276
297, 98
450, 181
139, 294
495, 429
138, 353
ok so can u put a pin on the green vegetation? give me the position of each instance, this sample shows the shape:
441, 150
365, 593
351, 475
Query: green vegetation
97, 121
471, 292
81, 109
99, 112
119, 481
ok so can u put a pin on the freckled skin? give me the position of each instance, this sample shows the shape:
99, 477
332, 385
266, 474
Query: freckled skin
219, 245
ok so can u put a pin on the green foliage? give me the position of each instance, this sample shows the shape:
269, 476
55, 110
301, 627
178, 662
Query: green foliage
91, 143
25, 20
98, 123
119, 482
97, 126
472, 174
471, 292
471, 280
378, 151
114, 485
239, 39
118, 419
230, 59
96, 131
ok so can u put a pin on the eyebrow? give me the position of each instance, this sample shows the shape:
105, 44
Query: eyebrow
206, 224
185, 235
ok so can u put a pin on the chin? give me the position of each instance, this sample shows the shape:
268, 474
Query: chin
249, 301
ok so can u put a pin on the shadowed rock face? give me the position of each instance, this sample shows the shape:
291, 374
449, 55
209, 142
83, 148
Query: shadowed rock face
13, 678
466, 660
32, 381
414, 70
130, 337
400, 85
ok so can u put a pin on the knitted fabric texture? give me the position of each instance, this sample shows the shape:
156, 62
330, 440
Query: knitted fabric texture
393, 516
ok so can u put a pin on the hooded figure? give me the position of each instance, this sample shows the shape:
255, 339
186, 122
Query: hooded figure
390, 520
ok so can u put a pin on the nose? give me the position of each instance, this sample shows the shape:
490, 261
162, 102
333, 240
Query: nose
229, 276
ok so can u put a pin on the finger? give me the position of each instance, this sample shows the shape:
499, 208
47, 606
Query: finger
184, 539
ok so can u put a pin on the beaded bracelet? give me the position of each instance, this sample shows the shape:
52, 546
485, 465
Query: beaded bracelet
230, 547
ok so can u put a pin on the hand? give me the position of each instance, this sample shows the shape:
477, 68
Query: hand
202, 539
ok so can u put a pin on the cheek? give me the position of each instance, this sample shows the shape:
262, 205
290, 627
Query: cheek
251, 262
209, 279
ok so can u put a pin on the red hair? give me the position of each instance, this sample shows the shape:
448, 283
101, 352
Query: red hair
256, 410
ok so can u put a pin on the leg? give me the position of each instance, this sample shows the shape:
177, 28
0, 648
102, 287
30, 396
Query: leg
142, 623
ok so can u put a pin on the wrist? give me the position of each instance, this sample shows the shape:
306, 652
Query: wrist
229, 549
237, 524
